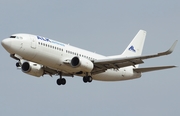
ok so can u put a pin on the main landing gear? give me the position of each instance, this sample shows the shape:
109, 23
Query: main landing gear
87, 79
61, 81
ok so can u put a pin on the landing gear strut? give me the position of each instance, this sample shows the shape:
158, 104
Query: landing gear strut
61, 81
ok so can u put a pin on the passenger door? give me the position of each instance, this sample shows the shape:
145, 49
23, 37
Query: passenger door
33, 42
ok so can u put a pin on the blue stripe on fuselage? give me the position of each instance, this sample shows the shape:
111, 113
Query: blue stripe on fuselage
51, 41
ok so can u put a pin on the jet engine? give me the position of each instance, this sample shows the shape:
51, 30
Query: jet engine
82, 64
32, 68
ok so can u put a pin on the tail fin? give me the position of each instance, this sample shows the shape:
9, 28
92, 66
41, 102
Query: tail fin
136, 46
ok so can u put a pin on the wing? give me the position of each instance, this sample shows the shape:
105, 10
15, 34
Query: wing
102, 65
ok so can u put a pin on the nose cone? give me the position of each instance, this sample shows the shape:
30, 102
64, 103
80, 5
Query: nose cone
6, 43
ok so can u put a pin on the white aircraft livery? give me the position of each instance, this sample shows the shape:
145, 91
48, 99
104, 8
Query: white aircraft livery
39, 55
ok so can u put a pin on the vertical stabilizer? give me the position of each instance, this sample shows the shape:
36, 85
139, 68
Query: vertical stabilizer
136, 46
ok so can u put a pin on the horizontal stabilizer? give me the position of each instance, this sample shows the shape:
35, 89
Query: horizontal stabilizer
148, 69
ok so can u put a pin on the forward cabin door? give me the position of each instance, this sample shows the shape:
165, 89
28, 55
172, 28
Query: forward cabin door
33, 42
33, 45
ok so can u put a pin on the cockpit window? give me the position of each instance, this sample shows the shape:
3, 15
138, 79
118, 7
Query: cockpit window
12, 36
17, 37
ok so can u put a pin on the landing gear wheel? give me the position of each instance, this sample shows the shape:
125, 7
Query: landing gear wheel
87, 79
58, 81
61, 81
18, 64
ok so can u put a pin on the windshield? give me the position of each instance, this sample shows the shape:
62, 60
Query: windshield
12, 36
18, 37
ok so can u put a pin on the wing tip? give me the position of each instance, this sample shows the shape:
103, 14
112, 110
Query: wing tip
170, 50
173, 46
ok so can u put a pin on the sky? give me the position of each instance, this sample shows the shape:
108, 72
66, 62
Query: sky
102, 26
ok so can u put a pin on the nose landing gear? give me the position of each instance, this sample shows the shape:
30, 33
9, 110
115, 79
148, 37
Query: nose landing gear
18, 64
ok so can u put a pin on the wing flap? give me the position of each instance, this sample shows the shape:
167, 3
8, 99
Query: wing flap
148, 69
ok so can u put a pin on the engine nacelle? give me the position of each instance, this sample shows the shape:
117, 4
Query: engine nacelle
32, 69
82, 64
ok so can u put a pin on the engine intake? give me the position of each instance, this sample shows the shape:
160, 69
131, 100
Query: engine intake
32, 69
82, 64
26, 67
75, 62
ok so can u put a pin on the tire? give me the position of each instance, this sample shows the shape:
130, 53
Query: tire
63, 81
85, 79
58, 81
89, 79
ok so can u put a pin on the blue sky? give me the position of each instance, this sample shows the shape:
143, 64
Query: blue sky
101, 26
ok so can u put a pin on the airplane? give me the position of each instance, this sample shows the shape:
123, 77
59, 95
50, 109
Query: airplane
38, 56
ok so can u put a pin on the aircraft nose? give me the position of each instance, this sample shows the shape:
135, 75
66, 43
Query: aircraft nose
6, 43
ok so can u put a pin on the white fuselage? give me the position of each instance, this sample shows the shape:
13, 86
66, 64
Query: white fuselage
53, 54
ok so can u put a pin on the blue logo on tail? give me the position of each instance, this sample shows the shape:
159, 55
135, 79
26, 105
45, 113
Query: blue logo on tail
132, 49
